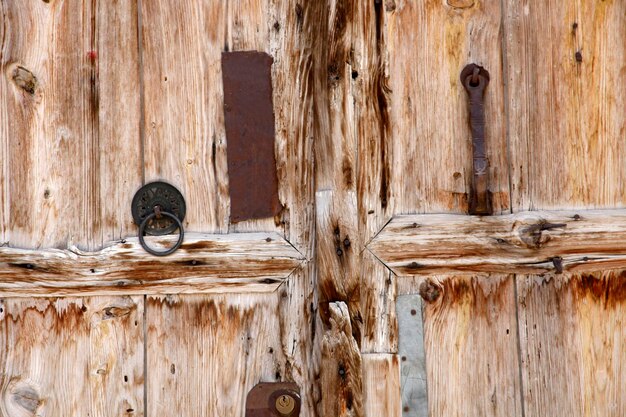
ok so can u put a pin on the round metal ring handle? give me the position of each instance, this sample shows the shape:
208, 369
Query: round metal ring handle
142, 231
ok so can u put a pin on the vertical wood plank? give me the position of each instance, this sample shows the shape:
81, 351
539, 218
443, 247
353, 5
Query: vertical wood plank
69, 72
572, 338
566, 92
428, 44
71, 357
381, 385
470, 338
184, 122
341, 379
205, 353
120, 143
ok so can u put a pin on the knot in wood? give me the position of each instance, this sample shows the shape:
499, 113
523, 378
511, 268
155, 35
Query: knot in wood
429, 291
533, 235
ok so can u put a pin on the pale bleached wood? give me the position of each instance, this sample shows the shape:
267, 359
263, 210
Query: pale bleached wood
471, 345
381, 386
522, 243
566, 118
205, 353
572, 344
340, 376
65, 140
119, 139
428, 43
378, 295
205, 263
185, 141
71, 357
286, 31
292, 38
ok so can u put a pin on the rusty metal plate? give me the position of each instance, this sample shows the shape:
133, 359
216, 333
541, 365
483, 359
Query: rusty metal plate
250, 132
277, 399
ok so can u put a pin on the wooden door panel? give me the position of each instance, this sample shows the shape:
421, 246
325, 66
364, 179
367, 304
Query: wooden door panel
566, 92
205, 353
427, 45
470, 342
69, 165
72, 356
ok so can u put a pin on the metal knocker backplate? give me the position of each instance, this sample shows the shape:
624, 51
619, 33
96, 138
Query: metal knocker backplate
158, 209
165, 196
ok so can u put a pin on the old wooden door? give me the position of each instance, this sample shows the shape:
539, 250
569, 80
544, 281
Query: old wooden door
521, 311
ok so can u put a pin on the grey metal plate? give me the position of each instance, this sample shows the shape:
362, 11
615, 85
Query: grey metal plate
412, 356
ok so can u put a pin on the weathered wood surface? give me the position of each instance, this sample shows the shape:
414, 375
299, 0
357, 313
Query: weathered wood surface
381, 385
528, 242
341, 373
204, 353
471, 343
427, 44
573, 344
185, 143
566, 95
70, 357
70, 121
254, 262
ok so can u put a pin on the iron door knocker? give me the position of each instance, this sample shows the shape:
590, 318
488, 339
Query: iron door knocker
158, 208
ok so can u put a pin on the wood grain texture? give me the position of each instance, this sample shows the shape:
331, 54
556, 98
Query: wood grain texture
566, 92
185, 142
204, 353
255, 262
470, 338
285, 30
71, 357
340, 377
62, 137
378, 295
572, 337
381, 385
428, 43
525, 242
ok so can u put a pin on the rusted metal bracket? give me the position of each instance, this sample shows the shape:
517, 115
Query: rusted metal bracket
475, 80
276, 399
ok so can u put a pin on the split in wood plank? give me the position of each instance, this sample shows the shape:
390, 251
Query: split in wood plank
250, 262
522, 243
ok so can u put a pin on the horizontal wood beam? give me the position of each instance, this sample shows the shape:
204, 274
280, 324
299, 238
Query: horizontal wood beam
239, 262
524, 243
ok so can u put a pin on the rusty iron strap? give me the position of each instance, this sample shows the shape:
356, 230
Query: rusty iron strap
475, 80
250, 132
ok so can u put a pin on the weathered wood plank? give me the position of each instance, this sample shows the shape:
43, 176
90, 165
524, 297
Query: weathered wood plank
528, 242
204, 263
119, 152
573, 349
470, 338
225, 346
292, 38
378, 295
381, 386
62, 134
428, 43
71, 357
566, 94
341, 371
185, 142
